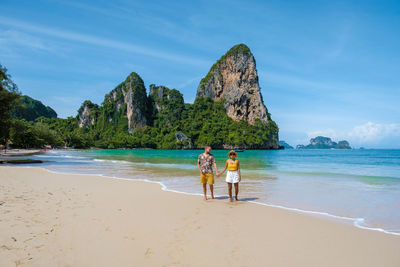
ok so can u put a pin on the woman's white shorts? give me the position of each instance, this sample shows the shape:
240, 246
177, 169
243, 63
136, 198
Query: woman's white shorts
232, 177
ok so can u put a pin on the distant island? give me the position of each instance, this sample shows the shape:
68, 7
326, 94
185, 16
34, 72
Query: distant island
321, 142
228, 112
284, 145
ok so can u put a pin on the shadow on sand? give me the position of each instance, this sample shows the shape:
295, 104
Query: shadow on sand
248, 199
240, 199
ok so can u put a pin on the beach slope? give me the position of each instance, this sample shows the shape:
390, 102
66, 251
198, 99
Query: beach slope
50, 219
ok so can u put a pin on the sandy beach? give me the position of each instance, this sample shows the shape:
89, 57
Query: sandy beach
50, 219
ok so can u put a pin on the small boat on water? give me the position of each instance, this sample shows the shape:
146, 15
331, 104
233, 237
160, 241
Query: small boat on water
239, 150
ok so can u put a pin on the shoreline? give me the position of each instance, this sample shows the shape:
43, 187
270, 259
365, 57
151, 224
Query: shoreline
20, 152
355, 222
137, 223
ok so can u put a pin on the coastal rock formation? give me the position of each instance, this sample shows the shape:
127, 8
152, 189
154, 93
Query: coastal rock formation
29, 109
166, 104
343, 145
184, 141
321, 142
228, 112
87, 114
234, 78
285, 145
128, 99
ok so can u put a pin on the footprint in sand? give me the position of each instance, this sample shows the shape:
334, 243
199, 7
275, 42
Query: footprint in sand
130, 238
5, 247
149, 252
29, 239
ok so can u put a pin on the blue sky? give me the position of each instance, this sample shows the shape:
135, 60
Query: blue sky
325, 67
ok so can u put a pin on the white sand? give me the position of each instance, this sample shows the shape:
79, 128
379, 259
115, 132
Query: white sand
52, 219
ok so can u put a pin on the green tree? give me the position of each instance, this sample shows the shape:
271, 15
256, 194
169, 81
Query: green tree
8, 95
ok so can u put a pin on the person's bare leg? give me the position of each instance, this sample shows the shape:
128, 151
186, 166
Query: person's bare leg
230, 191
236, 190
205, 191
212, 191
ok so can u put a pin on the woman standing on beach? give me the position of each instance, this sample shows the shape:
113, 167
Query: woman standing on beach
233, 175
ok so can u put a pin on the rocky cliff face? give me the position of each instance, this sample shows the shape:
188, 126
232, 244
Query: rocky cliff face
167, 104
234, 78
183, 141
129, 99
321, 142
87, 114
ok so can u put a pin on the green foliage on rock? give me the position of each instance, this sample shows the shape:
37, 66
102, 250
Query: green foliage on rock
322, 142
207, 123
29, 109
162, 120
166, 106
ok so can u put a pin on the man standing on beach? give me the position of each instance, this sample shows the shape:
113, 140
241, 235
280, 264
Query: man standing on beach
204, 164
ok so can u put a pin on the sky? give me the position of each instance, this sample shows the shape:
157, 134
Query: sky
326, 68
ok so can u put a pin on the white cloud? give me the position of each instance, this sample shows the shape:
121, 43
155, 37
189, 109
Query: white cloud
12, 38
369, 134
100, 41
374, 132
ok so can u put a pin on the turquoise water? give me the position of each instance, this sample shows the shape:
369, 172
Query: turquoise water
363, 185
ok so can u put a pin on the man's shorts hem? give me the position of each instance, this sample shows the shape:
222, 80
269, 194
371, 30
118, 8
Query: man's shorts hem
207, 178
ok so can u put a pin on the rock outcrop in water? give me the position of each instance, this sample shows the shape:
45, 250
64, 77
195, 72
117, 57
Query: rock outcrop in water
184, 141
321, 142
343, 145
285, 145
234, 78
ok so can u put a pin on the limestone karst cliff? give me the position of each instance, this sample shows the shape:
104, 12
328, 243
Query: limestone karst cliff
128, 100
166, 104
87, 114
228, 112
322, 142
234, 78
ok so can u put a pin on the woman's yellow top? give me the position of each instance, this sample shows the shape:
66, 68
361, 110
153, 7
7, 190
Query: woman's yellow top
232, 166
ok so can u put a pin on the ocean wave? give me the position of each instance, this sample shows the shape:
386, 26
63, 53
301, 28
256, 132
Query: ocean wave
157, 165
327, 174
60, 156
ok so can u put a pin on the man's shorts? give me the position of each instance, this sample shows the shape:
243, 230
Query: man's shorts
207, 178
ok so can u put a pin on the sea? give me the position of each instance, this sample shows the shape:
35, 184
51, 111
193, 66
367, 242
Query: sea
357, 186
